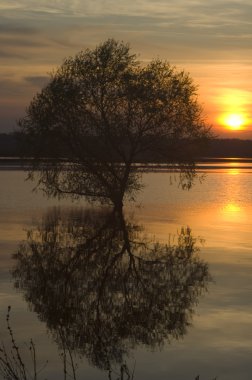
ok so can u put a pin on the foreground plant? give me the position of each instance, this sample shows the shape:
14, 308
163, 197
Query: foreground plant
12, 366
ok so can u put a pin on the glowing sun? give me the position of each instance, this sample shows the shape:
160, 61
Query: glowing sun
233, 121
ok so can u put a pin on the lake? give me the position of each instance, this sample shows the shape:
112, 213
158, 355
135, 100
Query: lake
183, 313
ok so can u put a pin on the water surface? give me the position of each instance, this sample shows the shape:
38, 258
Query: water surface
218, 212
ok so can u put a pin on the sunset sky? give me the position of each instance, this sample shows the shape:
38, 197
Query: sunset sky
209, 39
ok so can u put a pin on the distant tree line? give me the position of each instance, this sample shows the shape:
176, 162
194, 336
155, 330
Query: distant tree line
229, 148
9, 147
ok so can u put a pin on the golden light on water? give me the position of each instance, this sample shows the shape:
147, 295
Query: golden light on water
234, 171
231, 208
232, 212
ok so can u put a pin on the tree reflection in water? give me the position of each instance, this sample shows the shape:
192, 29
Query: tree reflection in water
103, 287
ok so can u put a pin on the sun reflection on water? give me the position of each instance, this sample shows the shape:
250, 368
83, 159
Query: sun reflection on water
232, 212
233, 171
231, 208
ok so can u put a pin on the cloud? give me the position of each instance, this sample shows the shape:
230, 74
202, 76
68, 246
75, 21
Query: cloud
35, 36
6, 54
10, 88
37, 81
11, 28
222, 25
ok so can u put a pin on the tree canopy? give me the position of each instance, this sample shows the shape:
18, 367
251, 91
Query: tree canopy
103, 111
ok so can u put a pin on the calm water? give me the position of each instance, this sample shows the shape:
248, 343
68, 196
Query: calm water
209, 330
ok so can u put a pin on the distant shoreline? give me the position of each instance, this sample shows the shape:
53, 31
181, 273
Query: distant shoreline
202, 164
215, 149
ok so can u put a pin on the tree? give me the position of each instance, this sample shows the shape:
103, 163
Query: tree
103, 287
102, 112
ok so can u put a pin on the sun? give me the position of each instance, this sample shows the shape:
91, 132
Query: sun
233, 121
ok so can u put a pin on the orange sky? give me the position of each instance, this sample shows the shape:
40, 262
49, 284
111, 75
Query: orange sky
225, 89
211, 40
